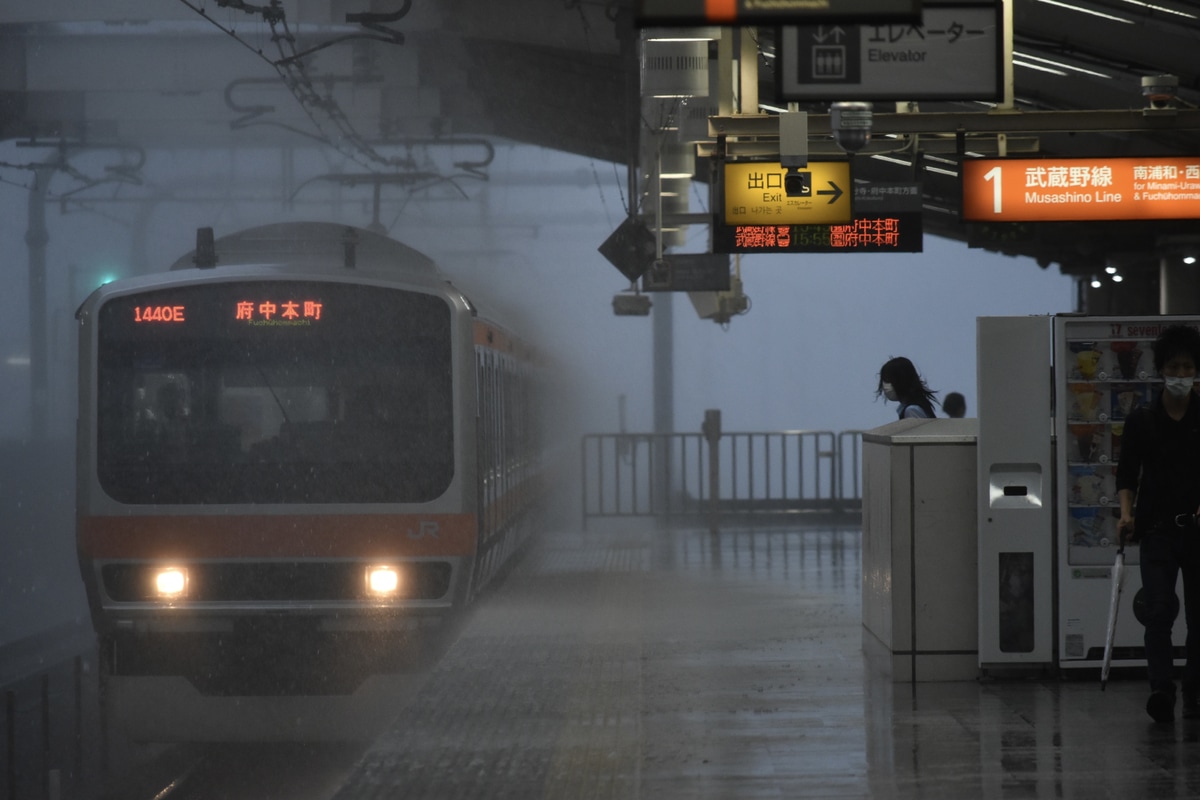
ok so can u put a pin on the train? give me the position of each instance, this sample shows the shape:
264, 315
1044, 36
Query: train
300, 449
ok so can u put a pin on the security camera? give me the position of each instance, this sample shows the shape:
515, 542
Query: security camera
850, 123
1160, 90
797, 183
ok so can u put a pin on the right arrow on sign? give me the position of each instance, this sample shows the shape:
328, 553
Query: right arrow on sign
836, 191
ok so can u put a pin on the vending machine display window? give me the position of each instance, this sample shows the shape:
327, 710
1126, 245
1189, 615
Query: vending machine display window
1108, 373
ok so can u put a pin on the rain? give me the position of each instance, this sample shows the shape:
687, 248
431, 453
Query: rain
183, 123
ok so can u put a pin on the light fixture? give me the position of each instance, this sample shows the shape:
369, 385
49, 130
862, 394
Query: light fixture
1117, 278
941, 171
170, 583
1060, 65
1083, 10
1160, 9
703, 34
1096, 284
1189, 260
383, 581
674, 68
1111, 270
1038, 67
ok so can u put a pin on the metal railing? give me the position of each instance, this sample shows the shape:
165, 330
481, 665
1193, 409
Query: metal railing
46, 729
682, 475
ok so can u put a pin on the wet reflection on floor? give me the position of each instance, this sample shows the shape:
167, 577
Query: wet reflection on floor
636, 662
824, 560
1044, 738
827, 721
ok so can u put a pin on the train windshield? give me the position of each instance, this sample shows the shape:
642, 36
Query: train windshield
275, 392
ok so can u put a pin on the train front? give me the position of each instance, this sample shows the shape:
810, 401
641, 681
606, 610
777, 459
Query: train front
273, 493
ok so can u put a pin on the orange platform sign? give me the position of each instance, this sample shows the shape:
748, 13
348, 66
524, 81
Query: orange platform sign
1048, 190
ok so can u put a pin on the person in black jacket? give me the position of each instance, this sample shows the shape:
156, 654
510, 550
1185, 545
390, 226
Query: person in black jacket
1159, 468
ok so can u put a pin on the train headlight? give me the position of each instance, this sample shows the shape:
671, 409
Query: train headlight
170, 583
383, 581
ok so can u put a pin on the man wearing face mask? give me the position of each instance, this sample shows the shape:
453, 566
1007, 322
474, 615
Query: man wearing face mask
1160, 468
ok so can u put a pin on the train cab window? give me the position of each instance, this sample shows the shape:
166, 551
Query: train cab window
161, 411
199, 406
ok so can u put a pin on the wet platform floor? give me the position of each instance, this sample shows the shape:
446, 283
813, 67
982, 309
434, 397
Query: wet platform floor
628, 662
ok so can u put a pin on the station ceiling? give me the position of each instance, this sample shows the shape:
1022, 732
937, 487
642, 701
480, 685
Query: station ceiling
563, 74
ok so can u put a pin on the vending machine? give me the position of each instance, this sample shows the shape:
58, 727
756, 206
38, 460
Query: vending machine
1048, 537
1014, 473
1107, 371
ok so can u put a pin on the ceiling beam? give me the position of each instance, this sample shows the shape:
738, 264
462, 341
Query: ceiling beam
977, 122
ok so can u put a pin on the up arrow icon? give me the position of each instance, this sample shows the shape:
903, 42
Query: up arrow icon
836, 33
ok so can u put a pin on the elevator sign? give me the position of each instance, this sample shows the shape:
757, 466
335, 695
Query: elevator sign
955, 53
1050, 190
767, 193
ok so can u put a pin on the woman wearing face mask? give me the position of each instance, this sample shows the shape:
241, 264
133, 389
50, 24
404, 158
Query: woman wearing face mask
1160, 468
900, 383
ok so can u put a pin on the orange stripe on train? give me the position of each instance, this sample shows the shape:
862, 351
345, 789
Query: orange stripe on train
487, 335
285, 536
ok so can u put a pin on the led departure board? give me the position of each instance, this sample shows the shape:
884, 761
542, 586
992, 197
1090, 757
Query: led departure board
875, 233
887, 219
159, 313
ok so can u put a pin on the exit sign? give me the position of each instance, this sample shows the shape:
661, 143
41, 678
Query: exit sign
755, 193
1050, 190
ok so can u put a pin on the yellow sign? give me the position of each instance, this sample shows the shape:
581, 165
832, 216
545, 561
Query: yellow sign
1045, 189
765, 193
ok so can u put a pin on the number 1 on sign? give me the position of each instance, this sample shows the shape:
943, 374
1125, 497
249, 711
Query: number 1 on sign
993, 174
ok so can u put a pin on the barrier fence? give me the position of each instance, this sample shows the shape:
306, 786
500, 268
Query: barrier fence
716, 475
47, 720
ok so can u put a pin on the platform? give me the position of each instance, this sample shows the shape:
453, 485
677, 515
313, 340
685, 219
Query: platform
634, 663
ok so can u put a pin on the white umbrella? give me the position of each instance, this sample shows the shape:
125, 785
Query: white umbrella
1118, 578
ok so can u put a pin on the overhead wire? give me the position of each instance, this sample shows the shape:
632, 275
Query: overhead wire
322, 109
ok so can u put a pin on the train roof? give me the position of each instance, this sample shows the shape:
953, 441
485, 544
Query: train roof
321, 245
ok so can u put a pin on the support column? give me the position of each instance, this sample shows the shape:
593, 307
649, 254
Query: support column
664, 393
36, 239
1178, 287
